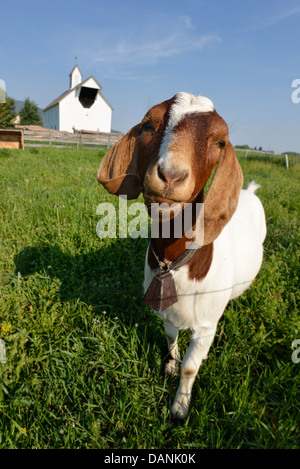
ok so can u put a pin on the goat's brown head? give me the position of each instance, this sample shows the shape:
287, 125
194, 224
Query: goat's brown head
170, 156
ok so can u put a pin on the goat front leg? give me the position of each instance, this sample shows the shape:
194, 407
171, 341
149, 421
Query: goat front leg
197, 351
172, 363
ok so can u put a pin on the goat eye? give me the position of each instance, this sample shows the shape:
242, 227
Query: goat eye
148, 126
221, 143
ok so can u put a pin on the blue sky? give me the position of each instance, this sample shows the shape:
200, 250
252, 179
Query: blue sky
244, 55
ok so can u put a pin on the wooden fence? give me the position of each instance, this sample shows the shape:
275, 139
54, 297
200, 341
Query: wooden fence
54, 138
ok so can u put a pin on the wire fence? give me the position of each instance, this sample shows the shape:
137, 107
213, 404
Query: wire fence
288, 160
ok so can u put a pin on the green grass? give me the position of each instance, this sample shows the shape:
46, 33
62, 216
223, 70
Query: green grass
84, 356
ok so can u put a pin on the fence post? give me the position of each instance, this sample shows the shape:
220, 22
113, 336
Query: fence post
246, 154
287, 161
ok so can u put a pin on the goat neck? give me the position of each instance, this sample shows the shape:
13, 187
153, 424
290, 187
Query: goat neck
171, 248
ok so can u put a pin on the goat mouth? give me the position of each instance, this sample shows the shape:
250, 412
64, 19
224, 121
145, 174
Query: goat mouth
159, 199
161, 208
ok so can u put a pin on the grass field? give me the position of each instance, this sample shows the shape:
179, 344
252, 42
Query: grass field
84, 357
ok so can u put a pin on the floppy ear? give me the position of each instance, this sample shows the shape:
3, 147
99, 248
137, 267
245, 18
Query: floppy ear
118, 171
223, 194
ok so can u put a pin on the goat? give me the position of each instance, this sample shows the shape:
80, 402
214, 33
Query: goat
169, 157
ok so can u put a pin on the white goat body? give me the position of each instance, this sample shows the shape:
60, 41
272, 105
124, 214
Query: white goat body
237, 258
169, 157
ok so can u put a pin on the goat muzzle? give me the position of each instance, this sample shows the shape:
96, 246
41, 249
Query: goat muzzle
170, 177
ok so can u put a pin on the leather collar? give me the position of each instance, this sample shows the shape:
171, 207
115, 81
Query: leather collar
166, 266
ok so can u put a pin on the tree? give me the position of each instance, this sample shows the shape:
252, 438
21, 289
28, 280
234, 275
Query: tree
7, 112
242, 147
29, 113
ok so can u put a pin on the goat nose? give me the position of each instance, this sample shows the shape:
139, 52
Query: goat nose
171, 177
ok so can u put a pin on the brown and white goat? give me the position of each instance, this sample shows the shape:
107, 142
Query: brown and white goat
169, 157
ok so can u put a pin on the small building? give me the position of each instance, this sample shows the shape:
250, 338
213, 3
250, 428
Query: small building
11, 138
82, 107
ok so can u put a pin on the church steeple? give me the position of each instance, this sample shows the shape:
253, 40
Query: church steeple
75, 77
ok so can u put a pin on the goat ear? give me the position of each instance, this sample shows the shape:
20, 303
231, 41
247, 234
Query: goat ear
118, 171
223, 194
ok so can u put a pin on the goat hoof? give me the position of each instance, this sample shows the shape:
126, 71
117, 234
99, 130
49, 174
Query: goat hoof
171, 367
178, 417
180, 410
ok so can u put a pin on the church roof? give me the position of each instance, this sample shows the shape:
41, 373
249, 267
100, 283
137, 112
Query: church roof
66, 93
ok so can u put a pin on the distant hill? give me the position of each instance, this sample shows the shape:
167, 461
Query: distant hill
19, 105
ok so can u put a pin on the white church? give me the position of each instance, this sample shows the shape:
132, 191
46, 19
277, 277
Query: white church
82, 107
